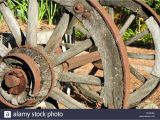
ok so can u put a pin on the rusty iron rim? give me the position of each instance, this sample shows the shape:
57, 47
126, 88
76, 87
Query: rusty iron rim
121, 48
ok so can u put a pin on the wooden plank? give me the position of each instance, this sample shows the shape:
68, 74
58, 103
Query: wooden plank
32, 23
66, 100
141, 56
57, 34
84, 59
11, 22
155, 31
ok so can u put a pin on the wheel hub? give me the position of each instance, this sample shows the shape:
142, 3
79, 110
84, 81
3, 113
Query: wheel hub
27, 78
16, 81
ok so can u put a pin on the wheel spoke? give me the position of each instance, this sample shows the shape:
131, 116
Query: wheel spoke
85, 79
127, 24
11, 22
72, 52
136, 37
66, 100
154, 28
32, 23
57, 34
141, 56
87, 92
143, 91
82, 60
138, 75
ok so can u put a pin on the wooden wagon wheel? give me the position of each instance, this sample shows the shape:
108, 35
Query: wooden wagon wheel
152, 21
43, 68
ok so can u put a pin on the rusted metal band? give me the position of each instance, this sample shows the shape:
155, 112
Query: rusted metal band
157, 18
33, 67
121, 48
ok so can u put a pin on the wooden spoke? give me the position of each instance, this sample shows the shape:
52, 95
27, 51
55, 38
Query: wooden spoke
66, 100
138, 75
11, 22
57, 34
141, 56
87, 92
154, 28
85, 79
82, 60
72, 51
127, 24
76, 24
142, 92
136, 37
32, 23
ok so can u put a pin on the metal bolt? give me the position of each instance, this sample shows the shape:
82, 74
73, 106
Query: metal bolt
78, 8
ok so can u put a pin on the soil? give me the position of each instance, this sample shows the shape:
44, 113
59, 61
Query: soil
153, 99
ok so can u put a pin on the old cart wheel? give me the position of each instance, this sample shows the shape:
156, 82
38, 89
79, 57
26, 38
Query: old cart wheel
30, 73
150, 18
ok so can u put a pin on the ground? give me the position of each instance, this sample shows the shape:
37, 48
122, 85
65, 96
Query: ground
151, 102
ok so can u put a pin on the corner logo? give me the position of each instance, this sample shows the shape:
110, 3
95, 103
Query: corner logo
7, 114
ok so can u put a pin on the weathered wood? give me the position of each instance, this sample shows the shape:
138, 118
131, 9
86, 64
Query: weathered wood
32, 23
83, 60
155, 31
43, 36
71, 25
72, 51
145, 90
11, 22
141, 56
142, 67
85, 79
127, 24
136, 37
57, 34
66, 100
137, 74
76, 24
87, 92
